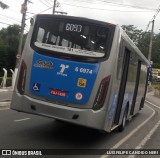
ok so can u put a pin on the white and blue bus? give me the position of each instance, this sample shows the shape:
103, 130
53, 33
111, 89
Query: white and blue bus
81, 71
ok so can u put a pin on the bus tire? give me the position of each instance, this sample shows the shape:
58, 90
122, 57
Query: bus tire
124, 120
142, 104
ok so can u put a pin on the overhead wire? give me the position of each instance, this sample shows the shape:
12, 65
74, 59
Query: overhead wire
43, 3
59, 6
117, 4
5, 23
17, 12
124, 5
47, 2
10, 18
87, 8
153, 18
104, 9
40, 12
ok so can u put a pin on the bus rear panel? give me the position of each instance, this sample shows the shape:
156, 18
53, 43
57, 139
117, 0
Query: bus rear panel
81, 71
59, 68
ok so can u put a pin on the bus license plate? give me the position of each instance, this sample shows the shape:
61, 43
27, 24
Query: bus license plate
59, 93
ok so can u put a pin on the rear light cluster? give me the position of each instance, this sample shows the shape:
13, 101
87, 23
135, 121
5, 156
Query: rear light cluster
101, 94
22, 78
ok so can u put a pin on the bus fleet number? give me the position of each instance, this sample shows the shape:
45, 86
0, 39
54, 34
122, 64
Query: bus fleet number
83, 70
73, 27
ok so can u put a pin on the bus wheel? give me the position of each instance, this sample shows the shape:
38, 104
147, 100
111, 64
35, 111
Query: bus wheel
123, 124
142, 104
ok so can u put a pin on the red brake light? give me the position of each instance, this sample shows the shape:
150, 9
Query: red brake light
101, 94
22, 78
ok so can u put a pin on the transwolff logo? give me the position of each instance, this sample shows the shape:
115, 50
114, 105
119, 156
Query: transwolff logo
44, 64
63, 68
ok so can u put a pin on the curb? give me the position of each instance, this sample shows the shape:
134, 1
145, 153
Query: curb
4, 105
5, 100
6, 90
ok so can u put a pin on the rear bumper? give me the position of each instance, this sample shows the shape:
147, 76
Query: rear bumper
84, 117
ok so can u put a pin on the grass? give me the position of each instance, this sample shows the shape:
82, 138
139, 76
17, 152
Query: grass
156, 86
8, 83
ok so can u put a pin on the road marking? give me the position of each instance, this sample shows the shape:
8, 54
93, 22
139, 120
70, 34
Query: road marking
148, 136
130, 134
22, 119
152, 104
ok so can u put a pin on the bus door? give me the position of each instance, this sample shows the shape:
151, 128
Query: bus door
123, 81
136, 88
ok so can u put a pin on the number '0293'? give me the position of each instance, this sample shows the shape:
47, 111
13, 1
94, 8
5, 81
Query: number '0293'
73, 27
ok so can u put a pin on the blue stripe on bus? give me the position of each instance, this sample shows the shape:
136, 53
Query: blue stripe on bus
62, 80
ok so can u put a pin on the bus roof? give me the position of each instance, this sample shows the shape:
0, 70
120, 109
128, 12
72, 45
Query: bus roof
76, 17
126, 37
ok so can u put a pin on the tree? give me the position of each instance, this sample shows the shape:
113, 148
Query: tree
133, 32
142, 40
11, 35
9, 38
3, 6
156, 51
143, 43
3, 56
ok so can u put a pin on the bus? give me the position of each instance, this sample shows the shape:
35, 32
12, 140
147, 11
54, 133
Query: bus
82, 71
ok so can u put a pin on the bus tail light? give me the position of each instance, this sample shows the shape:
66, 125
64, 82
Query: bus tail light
22, 78
101, 94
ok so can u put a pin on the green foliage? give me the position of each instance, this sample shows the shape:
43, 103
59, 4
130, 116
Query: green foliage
8, 82
3, 56
142, 40
156, 65
156, 86
9, 38
133, 32
156, 49
143, 43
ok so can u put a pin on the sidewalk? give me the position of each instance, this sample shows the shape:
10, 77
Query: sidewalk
154, 141
6, 89
153, 99
6, 94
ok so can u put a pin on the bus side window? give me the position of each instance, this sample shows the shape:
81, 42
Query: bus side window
120, 60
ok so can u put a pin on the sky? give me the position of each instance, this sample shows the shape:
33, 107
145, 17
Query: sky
121, 12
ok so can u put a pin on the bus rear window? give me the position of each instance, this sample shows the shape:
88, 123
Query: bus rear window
72, 37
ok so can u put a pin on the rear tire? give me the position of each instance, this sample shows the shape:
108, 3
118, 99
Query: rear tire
142, 104
123, 124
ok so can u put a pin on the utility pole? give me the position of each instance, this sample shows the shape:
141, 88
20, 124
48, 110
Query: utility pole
58, 12
151, 41
23, 11
57, 4
54, 6
19, 53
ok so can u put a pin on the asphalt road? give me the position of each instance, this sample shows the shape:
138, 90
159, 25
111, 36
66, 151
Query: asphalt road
25, 131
